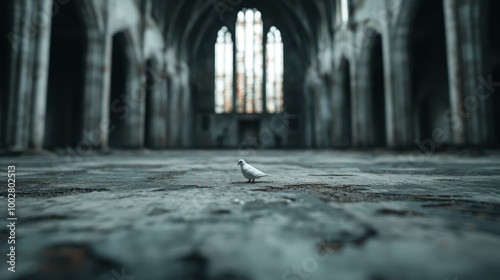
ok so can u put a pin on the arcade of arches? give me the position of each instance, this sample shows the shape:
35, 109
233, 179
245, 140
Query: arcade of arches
134, 74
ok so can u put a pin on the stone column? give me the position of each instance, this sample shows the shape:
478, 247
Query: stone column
43, 23
317, 89
97, 93
157, 124
340, 125
357, 136
454, 71
389, 95
187, 111
308, 118
335, 107
174, 121
135, 98
362, 99
324, 105
399, 77
20, 89
159, 112
469, 111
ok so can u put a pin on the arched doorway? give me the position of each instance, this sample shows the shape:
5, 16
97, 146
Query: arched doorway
63, 125
379, 132
6, 12
119, 110
429, 70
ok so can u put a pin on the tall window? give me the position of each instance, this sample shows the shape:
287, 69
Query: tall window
223, 72
249, 67
274, 71
344, 6
249, 61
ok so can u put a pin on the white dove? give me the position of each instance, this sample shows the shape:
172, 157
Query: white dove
250, 172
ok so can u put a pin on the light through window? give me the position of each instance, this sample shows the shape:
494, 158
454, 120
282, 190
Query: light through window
344, 10
274, 71
248, 68
223, 72
249, 61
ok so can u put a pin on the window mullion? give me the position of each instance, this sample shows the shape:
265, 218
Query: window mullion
235, 70
223, 72
254, 73
276, 71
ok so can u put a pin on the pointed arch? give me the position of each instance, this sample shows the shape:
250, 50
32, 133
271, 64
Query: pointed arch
249, 70
65, 85
249, 61
274, 71
224, 72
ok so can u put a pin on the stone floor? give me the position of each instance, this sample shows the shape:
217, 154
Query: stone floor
191, 215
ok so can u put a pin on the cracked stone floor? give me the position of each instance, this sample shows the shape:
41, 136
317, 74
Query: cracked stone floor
191, 215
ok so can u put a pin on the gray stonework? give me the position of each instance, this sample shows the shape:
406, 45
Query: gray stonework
102, 103
415, 68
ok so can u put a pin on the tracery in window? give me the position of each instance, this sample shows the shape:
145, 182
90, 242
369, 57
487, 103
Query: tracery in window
249, 61
247, 66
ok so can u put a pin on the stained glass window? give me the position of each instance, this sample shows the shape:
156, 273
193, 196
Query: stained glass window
249, 61
248, 67
274, 71
344, 6
224, 72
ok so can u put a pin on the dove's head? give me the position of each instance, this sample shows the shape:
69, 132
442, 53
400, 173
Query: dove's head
241, 162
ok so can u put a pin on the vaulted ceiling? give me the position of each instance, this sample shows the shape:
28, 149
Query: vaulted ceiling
189, 24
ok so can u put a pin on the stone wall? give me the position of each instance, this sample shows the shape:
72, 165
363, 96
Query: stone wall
101, 23
434, 73
130, 74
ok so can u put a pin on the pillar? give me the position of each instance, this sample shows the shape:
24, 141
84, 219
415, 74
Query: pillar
42, 19
22, 39
469, 112
96, 121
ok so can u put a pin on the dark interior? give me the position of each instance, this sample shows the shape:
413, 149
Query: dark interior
66, 75
494, 61
118, 111
378, 91
249, 132
5, 57
429, 78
